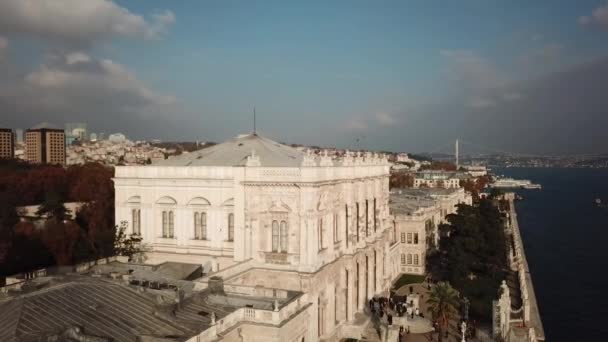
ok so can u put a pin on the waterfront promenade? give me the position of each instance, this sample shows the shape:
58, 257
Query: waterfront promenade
530, 319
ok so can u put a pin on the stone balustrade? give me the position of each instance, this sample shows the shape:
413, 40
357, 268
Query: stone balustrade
251, 315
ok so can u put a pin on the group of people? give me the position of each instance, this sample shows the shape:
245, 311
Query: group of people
381, 307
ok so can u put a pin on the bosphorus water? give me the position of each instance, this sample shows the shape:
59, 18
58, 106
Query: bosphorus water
565, 237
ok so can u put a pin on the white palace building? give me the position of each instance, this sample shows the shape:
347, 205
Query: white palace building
263, 216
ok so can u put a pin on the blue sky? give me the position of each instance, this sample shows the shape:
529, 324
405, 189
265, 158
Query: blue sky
406, 75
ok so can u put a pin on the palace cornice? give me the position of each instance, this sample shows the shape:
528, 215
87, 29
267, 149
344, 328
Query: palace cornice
314, 184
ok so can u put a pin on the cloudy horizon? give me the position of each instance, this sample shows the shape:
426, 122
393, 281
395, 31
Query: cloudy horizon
512, 76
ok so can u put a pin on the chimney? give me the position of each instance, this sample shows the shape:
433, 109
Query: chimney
216, 285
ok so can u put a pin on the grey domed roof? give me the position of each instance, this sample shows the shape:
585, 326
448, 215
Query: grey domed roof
234, 152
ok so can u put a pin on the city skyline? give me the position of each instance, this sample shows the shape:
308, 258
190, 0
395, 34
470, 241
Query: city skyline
395, 76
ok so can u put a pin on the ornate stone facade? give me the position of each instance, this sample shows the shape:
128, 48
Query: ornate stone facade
258, 213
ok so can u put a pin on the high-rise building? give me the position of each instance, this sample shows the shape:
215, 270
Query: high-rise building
7, 143
45, 144
93, 137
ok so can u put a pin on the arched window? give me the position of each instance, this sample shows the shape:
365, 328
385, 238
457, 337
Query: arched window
168, 224
197, 226
346, 223
230, 227
171, 225
165, 224
283, 237
204, 226
136, 221
409, 259
200, 226
415, 259
358, 222
275, 236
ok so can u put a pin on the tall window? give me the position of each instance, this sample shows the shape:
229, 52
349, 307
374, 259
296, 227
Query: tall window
320, 233
358, 221
366, 218
200, 226
279, 236
346, 223
165, 224
415, 259
375, 224
416, 238
319, 317
168, 224
409, 259
136, 221
409, 238
336, 237
230, 227
402, 237
346, 287
335, 304
284, 235
357, 303
275, 236
403, 259
171, 225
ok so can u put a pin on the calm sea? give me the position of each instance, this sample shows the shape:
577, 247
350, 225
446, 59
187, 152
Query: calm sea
566, 241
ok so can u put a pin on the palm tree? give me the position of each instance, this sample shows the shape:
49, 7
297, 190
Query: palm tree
443, 303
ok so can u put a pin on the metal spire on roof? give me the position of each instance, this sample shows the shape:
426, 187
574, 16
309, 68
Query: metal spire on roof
254, 131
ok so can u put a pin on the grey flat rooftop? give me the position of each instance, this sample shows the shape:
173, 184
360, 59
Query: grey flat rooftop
424, 192
407, 204
234, 152
116, 309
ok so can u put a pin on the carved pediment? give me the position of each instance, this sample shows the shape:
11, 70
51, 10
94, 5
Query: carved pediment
278, 207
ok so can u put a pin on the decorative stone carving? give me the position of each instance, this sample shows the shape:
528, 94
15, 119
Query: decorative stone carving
325, 159
253, 160
308, 159
347, 160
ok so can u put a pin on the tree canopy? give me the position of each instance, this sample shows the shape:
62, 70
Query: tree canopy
60, 240
472, 254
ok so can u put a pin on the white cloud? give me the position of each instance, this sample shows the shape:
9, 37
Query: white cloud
356, 125
473, 71
481, 103
598, 18
79, 79
79, 21
384, 119
77, 57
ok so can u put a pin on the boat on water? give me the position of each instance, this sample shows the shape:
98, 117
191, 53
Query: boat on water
600, 204
509, 183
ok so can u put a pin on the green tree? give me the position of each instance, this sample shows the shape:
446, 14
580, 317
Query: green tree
127, 245
443, 303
